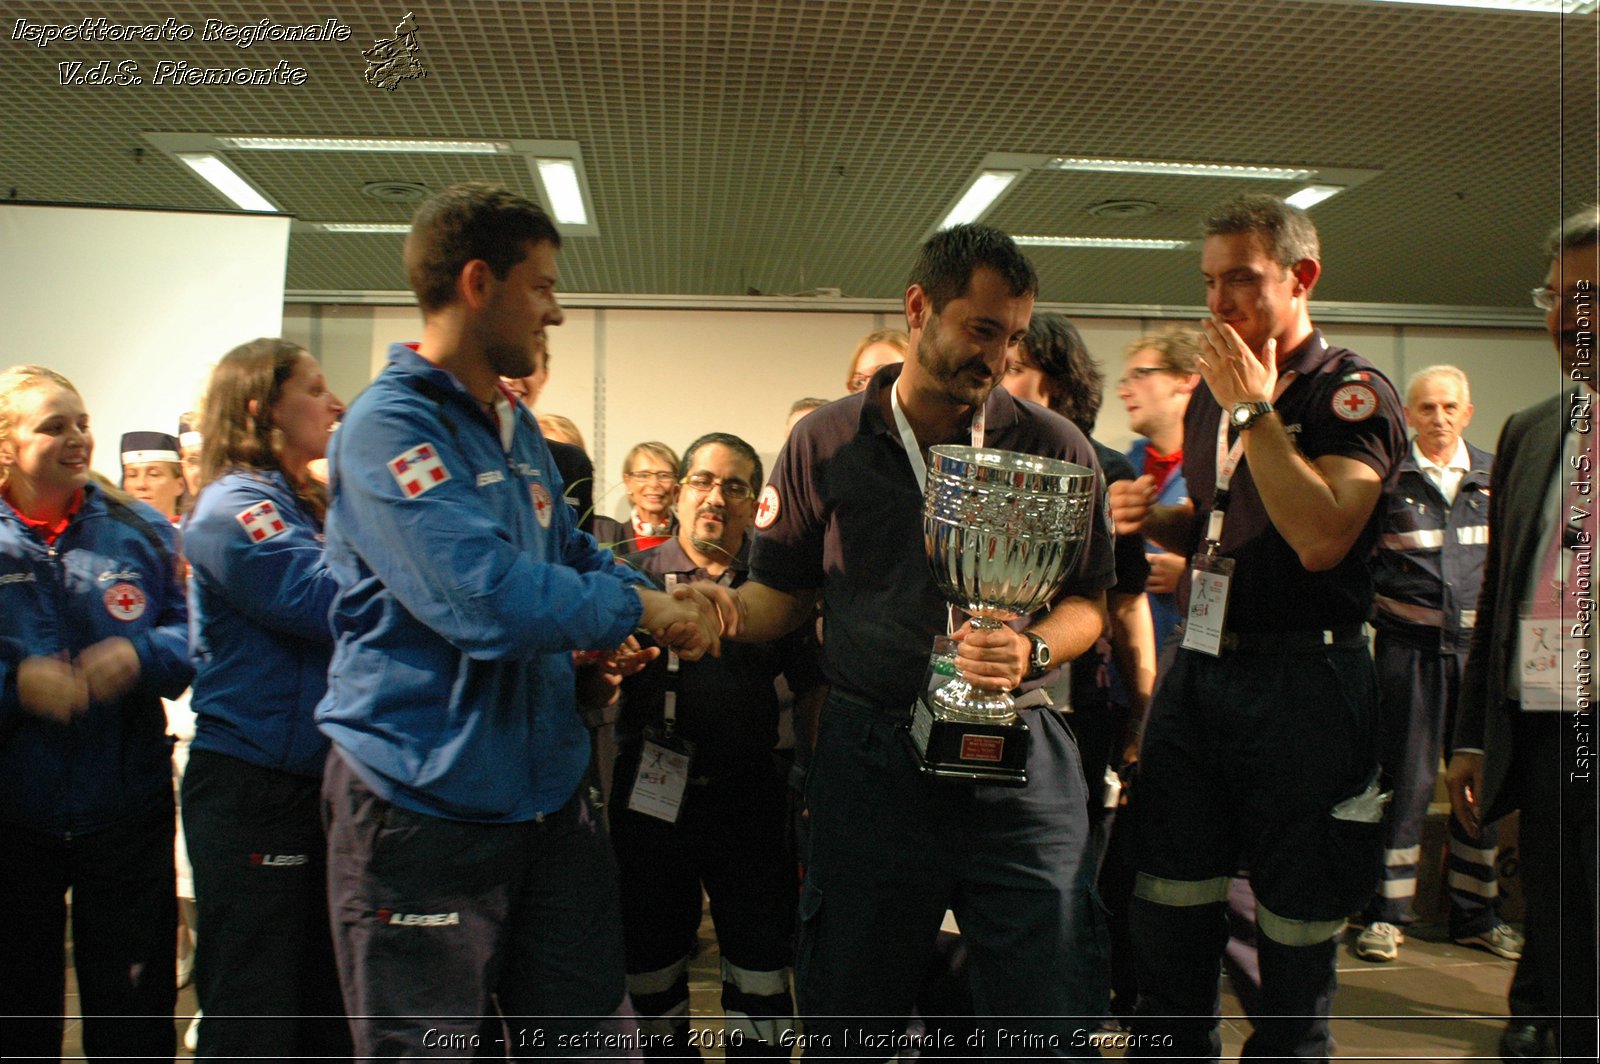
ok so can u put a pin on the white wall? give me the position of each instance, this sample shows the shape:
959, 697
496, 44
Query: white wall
134, 307
626, 375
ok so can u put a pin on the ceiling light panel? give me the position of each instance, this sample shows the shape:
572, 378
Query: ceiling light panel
1153, 166
367, 144
1135, 243
220, 176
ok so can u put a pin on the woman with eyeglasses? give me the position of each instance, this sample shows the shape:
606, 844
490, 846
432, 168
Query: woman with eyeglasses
650, 479
879, 348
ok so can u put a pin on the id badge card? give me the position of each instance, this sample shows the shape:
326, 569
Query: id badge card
1550, 663
663, 774
1209, 582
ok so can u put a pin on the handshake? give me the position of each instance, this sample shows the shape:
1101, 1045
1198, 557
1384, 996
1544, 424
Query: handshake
59, 690
691, 619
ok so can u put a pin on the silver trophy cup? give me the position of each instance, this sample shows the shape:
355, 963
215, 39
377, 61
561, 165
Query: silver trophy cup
1002, 532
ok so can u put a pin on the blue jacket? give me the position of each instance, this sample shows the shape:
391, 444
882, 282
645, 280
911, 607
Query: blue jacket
463, 588
112, 572
1429, 563
259, 596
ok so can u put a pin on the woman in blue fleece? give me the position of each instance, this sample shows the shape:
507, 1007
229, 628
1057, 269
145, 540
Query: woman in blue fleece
92, 628
260, 591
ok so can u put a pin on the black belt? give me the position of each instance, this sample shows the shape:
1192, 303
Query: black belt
1293, 641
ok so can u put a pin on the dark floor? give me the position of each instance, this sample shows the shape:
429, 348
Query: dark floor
1437, 1002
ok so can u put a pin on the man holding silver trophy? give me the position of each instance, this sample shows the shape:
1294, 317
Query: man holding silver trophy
985, 812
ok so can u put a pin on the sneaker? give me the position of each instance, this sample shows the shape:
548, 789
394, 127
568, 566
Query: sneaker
1379, 942
191, 1037
1502, 940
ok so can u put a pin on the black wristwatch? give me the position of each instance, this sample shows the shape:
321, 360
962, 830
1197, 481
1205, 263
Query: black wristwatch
1039, 658
1246, 414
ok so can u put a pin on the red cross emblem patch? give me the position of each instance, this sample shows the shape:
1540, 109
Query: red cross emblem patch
125, 601
1355, 402
543, 504
418, 469
767, 508
261, 522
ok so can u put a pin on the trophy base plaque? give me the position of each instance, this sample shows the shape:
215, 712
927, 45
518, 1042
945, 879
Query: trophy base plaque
964, 750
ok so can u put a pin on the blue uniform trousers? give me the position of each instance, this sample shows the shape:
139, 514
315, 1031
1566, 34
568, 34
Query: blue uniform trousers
729, 840
890, 849
1418, 690
124, 936
264, 971
1243, 760
437, 923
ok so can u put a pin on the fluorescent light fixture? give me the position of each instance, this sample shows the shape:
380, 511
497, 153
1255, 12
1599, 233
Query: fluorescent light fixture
227, 181
560, 180
374, 144
1312, 195
987, 187
1141, 166
362, 227
1100, 242
1552, 7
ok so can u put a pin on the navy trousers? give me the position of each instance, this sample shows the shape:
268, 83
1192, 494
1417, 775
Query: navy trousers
264, 969
891, 849
440, 925
124, 937
1243, 761
1418, 690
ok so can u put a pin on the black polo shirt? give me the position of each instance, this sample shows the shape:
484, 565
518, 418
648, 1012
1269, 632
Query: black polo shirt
1338, 404
843, 513
727, 706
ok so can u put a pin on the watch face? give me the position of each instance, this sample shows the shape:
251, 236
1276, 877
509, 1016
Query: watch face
1241, 414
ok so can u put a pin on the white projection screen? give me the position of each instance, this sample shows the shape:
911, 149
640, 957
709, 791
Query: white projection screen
136, 306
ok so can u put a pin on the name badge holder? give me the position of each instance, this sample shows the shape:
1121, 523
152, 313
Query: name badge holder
1210, 580
664, 758
1555, 654
1211, 574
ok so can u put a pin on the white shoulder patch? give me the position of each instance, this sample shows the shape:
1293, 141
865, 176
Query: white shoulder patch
418, 469
261, 522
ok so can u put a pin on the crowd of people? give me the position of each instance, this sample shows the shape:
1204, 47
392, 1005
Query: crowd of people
461, 760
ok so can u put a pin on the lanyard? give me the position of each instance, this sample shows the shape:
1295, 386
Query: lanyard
919, 467
669, 708
908, 439
1228, 460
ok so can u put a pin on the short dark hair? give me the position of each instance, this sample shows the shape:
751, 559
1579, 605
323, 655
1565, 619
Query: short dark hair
948, 259
1286, 230
1073, 379
732, 443
466, 222
1578, 230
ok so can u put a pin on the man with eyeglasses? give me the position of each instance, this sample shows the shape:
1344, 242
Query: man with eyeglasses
697, 799
1524, 737
1158, 376
1261, 753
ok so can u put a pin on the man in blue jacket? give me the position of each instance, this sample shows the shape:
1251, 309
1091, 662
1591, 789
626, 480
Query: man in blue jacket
467, 869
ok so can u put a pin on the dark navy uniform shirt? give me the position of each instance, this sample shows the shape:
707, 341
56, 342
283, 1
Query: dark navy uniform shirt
1338, 404
843, 513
